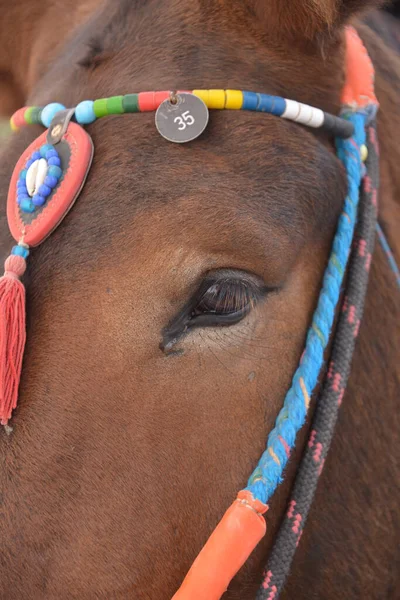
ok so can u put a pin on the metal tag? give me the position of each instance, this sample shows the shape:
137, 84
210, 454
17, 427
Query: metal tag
182, 118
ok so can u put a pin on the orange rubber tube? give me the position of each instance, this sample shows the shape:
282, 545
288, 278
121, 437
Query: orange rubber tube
358, 89
229, 546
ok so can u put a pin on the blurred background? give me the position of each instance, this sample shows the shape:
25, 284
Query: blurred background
4, 129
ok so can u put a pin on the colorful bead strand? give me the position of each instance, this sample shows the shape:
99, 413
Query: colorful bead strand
89, 111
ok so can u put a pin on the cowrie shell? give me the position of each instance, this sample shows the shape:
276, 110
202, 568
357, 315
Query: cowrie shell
36, 175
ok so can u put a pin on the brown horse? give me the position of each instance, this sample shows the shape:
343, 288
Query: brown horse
132, 435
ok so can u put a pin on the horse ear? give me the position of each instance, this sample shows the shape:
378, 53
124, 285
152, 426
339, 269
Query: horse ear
308, 18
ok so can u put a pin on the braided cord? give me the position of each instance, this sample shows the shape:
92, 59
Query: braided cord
268, 473
327, 408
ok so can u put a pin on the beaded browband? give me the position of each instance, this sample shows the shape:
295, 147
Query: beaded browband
88, 111
181, 117
47, 180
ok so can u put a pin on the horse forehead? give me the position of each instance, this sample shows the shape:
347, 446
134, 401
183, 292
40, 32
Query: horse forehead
244, 185
256, 164
245, 169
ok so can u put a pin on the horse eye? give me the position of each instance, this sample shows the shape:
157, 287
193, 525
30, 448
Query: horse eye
229, 300
225, 297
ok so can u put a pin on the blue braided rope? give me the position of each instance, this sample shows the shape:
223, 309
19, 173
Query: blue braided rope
268, 473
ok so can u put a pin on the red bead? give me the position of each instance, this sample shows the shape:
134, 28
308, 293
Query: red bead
19, 118
146, 101
160, 97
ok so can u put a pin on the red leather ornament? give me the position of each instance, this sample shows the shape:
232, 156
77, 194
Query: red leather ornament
76, 153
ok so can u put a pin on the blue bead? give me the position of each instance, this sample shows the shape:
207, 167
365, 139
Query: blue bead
44, 190
29, 163
20, 251
51, 153
54, 160
50, 111
38, 200
51, 181
36, 156
22, 196
275, 105
21, 184
27, 205
55, 171
250, 101
84, 112
45, 148
23, 173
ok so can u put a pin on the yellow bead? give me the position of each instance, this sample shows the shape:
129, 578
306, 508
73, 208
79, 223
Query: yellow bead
234, 99
364, 152
203, 95
216, 99
13, 126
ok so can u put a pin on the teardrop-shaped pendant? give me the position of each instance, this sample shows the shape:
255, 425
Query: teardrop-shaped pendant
46, 182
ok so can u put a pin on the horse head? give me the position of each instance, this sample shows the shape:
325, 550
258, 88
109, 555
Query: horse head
167, 314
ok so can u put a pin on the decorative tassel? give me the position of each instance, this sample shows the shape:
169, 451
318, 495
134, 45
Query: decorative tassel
12, 331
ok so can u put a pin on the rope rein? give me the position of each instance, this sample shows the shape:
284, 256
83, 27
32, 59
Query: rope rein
328, 404
268, 473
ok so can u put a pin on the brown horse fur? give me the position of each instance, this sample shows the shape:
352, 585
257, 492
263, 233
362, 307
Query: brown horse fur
124, 456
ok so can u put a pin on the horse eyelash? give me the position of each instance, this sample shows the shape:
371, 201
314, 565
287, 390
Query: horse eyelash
186, 319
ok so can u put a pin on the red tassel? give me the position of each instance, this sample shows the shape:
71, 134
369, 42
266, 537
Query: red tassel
12, 333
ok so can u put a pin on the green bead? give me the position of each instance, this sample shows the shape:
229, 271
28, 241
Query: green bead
100, 108
36, 115
130, 103
114, 105
28, 115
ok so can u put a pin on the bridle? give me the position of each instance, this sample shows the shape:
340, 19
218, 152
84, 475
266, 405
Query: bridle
33, 216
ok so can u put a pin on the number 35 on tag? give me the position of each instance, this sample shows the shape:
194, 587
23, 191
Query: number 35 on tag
184, 120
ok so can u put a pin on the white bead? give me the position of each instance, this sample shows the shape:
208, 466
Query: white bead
303, 113
292, 110
317, 118
36, 175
